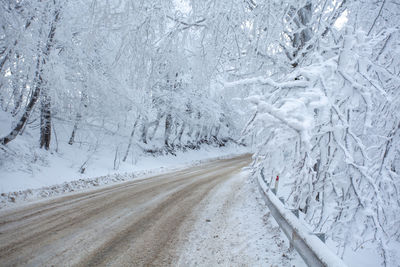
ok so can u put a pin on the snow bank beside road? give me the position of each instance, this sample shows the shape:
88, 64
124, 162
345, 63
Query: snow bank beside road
55, 180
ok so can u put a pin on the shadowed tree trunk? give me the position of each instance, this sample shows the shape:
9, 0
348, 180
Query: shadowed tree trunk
168, 126
45, 121
77, 120
145, 128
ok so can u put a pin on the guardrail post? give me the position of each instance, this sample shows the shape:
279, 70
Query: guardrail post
276, 184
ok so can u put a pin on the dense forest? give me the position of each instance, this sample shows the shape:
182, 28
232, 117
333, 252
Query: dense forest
312, 87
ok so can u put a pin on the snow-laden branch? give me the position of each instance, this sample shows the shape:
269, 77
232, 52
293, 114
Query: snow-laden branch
279, 114
267, 81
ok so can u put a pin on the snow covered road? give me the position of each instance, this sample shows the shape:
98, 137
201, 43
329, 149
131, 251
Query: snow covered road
206, 215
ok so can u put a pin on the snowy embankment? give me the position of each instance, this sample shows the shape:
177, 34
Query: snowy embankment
58, 177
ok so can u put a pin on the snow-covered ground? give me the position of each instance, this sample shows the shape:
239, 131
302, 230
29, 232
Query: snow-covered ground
234, 228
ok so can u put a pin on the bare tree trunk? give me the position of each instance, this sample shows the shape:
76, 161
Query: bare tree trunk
78, 118
144, 130
55, 135
167, 132
116, 165
130, 139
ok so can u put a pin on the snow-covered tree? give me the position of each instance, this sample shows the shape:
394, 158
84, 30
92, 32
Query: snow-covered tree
327, 125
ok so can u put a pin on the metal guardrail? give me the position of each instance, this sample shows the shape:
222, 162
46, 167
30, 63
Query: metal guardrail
313, 251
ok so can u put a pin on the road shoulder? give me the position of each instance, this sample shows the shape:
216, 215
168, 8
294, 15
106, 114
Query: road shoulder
234, 228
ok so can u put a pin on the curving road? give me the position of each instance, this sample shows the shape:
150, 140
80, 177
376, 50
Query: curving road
129, 224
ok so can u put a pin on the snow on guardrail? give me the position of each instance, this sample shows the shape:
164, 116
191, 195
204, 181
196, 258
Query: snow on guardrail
313, 251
